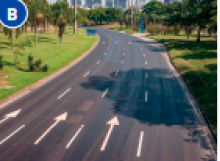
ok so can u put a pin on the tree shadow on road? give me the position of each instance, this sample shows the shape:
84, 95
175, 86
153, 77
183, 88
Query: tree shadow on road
166, 103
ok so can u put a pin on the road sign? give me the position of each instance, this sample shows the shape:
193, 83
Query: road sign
13, 13
141, 26
90, 32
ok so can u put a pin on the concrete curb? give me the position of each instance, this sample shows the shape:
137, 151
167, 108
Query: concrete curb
168, 57
45, 80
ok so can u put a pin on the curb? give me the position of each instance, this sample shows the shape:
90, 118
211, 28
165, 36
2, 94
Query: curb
46, 79
191, 93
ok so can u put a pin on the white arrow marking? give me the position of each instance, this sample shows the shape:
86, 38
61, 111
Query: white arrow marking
104, 93
62, 117
64, 93
140, 144
74, 137
98, 62
12, 114
112, 123
12, 134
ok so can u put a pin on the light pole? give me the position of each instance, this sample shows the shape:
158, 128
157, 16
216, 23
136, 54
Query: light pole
75, 16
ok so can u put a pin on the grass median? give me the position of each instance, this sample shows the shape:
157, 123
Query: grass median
198, 65
49, 50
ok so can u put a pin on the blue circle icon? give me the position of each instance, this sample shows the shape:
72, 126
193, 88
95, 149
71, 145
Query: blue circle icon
13, 13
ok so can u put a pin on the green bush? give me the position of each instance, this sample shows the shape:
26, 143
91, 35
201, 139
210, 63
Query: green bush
30, 61
1, 63
38, 63
31, 67
177, 29
151, 29
45, 68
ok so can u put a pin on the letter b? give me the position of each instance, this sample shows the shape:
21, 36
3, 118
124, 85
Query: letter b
12, 14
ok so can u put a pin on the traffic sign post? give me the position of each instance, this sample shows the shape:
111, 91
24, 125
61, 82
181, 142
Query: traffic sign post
90, 32
141, 26
13, 13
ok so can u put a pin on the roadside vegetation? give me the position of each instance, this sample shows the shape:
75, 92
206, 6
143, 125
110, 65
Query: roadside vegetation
49, 51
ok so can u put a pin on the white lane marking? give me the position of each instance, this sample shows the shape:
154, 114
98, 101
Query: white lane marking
146, 94
105, 53
124, 48
103, 42
110, 44
123, 53
146, 75
12, 134
61, 117
140, 144
146, 62
138, 44
98, 62
114, 121
144, 55
116, 73
64, 93
129, 42
10, 115
116, 42
141, 48
122, 61
74, 137
105, 93
86, 74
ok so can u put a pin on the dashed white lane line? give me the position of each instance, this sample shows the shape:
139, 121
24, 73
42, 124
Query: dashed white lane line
98, 62
74, 137
146, 94
138, 44
116, 42
123, 53
105, 53
140, 144
8, 137
122, 61
103, 42
86, 74
64, 93
144, 55
116, 73
146, 75
105, 93
108, 48
129, 42
145, 62
124, 48
141, 48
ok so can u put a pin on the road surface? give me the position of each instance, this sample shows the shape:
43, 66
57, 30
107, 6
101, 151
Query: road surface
122, 102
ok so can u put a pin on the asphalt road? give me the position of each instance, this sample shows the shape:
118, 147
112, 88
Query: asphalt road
122, 102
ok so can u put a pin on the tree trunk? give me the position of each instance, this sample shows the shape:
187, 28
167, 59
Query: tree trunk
25, 28
36, 35
198, 34
12, 39
15, 61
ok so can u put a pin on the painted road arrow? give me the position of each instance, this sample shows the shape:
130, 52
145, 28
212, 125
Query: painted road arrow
112, 123
10, 115
58, 119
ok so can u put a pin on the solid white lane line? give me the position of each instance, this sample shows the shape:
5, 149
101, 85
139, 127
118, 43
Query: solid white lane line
64, 93
105, 93
140, 144
146, 94
74, 137
86, 74
98, 62
146, 75
12, 134
146, 62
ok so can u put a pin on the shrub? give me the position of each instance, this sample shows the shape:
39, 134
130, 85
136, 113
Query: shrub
30, 61
31, 67
1, 63
151, 29
177, 29
45, 68
38, 63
